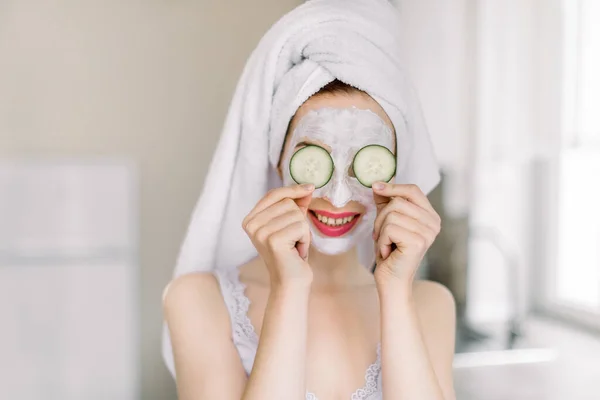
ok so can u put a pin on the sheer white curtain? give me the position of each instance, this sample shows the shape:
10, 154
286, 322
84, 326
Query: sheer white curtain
535, 181
506, 141
573, 252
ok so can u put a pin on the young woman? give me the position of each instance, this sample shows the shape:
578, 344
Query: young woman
305, 319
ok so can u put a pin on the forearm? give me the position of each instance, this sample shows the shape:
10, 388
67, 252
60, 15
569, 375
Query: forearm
407, 371
279, 366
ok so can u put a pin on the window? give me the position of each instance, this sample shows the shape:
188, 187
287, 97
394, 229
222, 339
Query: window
574, 249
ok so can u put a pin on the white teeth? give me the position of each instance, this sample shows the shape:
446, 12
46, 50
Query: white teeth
334, 221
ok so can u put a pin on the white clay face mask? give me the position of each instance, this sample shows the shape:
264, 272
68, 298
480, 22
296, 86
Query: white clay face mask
343, 144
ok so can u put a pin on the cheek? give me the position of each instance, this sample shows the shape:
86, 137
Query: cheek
285, 172
286, 155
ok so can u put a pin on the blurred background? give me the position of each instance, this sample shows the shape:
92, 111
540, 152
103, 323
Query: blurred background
110, 111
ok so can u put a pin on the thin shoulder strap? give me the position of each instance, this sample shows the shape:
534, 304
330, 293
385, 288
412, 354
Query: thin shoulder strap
237, 304
226, 291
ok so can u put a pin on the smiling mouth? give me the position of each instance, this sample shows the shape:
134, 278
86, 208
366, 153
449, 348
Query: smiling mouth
334, 225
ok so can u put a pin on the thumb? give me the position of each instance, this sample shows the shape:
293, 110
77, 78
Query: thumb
303, 203
380, 200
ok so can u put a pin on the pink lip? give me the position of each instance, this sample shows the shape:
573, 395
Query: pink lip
334, 231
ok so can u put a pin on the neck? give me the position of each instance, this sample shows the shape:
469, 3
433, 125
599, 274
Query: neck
339, 270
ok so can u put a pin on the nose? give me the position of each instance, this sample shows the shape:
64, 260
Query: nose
339, 196
335, 203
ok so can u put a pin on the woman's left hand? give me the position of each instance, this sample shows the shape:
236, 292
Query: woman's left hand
405, 227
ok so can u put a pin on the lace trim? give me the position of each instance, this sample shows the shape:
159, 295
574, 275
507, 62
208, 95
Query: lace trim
241, 303
370, 379
370, 386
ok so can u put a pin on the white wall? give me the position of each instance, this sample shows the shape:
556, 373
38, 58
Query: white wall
69, 280
148, 81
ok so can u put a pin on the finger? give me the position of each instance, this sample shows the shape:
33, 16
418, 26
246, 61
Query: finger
276, 224
402, 238
379, 199
410, 192
275, 195
295, 235
387, 240
275, 210
304, 202
411, 224
403, 206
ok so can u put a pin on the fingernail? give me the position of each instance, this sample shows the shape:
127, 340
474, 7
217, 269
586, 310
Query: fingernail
308, 186
379, 186
374, 235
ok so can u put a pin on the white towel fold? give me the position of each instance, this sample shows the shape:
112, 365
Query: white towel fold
355, 41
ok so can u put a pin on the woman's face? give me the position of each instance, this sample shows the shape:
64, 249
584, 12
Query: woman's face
341, 124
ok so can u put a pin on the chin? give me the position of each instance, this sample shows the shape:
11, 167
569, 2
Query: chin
331, 246
338, 245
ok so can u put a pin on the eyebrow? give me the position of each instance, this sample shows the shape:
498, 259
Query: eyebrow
307, 142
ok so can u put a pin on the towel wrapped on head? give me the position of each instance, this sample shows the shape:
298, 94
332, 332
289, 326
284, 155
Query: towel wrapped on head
354, 41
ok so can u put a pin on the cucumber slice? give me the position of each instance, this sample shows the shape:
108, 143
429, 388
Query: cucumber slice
374, 163
311, 164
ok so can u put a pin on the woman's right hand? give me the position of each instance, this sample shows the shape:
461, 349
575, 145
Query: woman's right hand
278, 228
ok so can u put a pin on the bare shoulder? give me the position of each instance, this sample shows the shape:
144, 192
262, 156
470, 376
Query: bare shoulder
435, 303
206, 361
436, 310
188, 285
196, 292
430, 294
